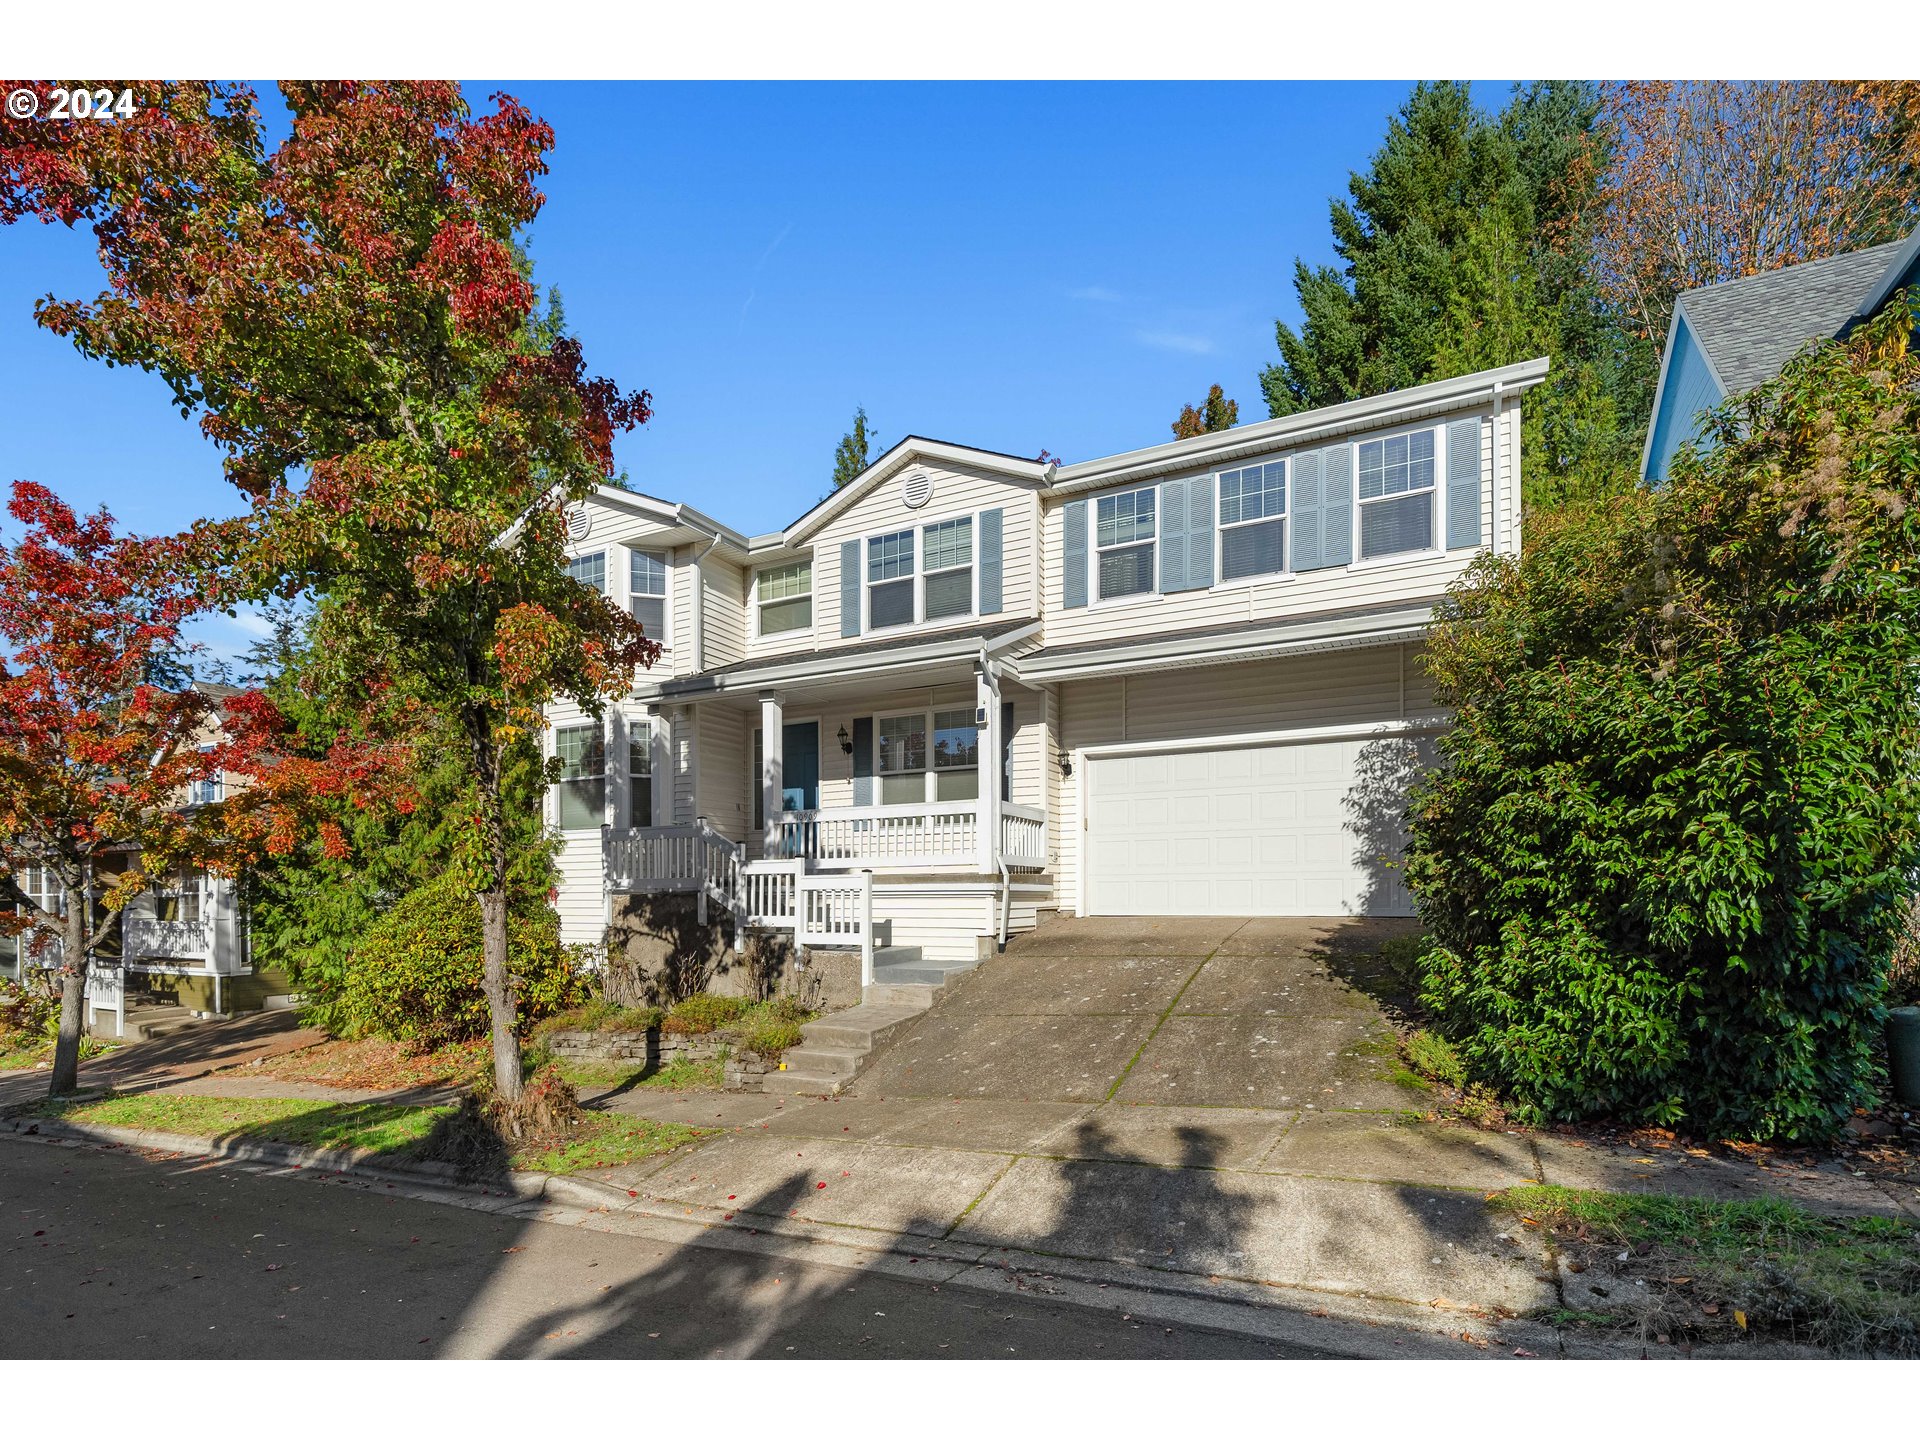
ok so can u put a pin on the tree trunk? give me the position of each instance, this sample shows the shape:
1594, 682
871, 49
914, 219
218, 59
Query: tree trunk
498, 978
73, 997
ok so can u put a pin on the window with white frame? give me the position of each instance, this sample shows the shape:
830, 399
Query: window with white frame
785, 596
1123, 543
580, 794
890, 580
946, 560
647, 591
927, 756
590, 570
640, 774
1253, 524
177, 896
209, 789
1396, 494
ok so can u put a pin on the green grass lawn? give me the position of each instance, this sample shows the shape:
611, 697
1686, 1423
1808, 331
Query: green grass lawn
1717, 1269
394, 1130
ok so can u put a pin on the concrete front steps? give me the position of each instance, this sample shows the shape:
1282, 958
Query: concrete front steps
149, 1022
836, 1047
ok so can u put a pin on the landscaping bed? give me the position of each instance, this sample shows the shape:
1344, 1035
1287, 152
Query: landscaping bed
703, 1042
1681, 1270
398, 1132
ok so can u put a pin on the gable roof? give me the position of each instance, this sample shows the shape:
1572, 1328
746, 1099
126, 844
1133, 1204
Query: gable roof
902, 454
1750, 328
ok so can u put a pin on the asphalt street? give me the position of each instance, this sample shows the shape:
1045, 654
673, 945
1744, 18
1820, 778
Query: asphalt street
109, 1254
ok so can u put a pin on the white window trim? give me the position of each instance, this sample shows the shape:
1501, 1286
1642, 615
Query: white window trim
973, 565
585, 722
918, 529
1285, 574
606, 567
930, 785
1138, 597
813, 600
640, 729
1439, 514
625, 600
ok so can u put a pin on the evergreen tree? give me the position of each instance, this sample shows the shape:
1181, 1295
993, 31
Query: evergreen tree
1216, 412
850, 458
1464, 244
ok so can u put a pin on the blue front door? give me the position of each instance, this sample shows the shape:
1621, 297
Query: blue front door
800, 766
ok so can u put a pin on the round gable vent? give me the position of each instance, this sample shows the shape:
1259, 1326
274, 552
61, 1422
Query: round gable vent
916, 489
579, 522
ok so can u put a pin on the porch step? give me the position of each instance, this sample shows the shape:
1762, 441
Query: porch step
921, 972
149, 1022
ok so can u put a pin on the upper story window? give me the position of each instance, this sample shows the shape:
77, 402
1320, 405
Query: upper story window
785, 595
590, 570
177, 896
1396, 494
210, 790
947, 558
890, 579
647, 591
1123, 543
580, 795
1253, 526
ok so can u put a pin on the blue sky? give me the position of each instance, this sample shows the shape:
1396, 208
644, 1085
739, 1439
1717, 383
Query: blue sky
1019, 267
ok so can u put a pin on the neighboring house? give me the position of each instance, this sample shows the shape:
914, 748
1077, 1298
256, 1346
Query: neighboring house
1727, 338
1178, 681
184, 940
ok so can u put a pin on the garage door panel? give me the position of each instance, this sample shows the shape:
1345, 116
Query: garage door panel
1248, 830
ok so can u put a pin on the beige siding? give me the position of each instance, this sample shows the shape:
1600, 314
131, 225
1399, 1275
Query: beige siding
1349, 587
956, 492
1343, 687
724, 620
721, 786
581, 902
787, 642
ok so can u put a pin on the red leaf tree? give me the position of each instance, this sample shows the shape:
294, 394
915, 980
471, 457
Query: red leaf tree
95, 754
350, 318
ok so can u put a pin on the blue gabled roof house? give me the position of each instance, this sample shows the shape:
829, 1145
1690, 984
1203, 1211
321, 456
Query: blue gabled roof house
1730, 337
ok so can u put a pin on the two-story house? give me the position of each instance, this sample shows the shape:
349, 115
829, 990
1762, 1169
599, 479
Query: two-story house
970, 687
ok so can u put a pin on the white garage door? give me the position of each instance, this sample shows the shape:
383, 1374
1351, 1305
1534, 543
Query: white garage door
1251, 830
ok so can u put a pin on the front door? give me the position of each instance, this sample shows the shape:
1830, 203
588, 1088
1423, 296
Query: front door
800, 766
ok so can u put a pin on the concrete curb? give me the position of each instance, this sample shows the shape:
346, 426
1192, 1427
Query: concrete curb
523, 1184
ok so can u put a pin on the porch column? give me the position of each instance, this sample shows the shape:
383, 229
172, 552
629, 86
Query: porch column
772, 771
987, 715
659, 768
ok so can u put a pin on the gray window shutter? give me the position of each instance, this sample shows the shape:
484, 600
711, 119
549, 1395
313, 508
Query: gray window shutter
1463, 484
850, 587
1200, 532
1303, 508
1173, 536
1073, 565
863, 760
991, 565
1336, 506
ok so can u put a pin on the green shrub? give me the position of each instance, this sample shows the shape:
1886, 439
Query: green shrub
601, 1016
416, 976
29, 1011
1432, 1056
703, 1014
770, 1035
1667, 860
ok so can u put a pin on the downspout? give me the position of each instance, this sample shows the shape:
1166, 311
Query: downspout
700, 605
1502, 515
993, 731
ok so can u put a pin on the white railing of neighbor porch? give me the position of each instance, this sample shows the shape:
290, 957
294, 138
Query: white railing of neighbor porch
896, 836
148, 939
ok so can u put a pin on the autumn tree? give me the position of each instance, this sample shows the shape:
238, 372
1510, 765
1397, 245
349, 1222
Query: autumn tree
1216, 412
99, 736
1462, 248
1713, 180
850, 456
350, 318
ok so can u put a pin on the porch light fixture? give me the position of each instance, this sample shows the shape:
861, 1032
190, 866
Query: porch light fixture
1066, 766
846, 741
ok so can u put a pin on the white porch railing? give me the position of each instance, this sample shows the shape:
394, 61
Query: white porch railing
692, 858
903, 837
1023, 837
147, 938
837, 910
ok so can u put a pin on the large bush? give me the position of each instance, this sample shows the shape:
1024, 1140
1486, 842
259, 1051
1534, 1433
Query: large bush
1667, 860
416, 974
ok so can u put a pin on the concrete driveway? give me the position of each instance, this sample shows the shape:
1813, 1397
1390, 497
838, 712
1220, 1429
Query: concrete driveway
1271, 1015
